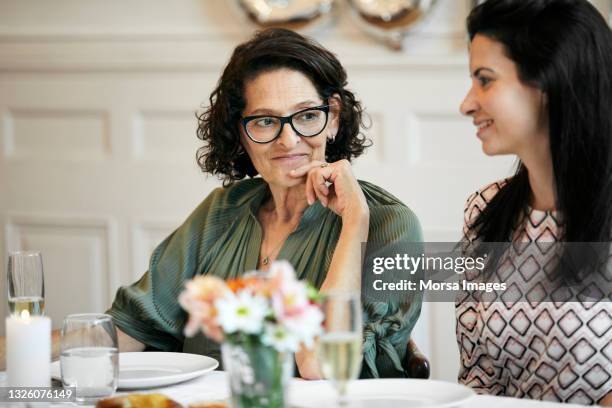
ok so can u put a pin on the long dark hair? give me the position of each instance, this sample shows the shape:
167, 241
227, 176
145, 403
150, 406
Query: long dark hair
273, 48
564, 48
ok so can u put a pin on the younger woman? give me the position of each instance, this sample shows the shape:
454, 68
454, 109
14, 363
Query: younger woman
541, 90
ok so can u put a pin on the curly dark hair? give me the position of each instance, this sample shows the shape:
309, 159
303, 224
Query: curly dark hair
270, 49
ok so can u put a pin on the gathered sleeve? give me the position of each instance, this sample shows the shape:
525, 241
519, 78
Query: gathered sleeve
388, 320
148, 310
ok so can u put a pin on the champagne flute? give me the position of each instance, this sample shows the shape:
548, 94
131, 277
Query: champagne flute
340, 345
26, 285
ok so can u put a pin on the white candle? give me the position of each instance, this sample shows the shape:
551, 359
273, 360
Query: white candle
28, 350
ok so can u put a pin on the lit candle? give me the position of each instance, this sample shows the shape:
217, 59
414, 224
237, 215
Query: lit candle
28, 350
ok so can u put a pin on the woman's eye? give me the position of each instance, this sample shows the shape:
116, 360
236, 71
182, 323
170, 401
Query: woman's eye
484, 81
265, 122
307, 116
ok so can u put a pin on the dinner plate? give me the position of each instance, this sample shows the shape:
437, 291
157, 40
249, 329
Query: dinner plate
387, 393
155, 369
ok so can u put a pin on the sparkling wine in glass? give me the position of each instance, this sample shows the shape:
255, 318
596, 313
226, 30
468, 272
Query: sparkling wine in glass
340, 345
26, 285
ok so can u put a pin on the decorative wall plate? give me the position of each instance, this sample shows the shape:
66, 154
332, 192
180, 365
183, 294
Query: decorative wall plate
294, 14
390, 20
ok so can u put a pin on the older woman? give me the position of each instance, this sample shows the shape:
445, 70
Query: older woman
281, 110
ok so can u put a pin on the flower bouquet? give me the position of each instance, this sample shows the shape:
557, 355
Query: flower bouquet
261, 320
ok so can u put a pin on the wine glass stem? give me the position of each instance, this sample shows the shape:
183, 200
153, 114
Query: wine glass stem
342, 399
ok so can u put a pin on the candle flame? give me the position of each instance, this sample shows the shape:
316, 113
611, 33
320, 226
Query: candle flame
25, 314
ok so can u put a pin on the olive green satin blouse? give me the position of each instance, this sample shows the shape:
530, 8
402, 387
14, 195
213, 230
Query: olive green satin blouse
223, 236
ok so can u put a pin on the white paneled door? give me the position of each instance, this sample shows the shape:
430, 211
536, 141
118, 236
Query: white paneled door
99, 168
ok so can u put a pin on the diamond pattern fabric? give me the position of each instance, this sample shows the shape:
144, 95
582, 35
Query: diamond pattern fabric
518, 346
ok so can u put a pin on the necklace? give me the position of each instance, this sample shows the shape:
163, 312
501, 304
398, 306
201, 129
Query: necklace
266, 259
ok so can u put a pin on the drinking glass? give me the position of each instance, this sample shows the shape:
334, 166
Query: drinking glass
340, 345
26, 285
89, 358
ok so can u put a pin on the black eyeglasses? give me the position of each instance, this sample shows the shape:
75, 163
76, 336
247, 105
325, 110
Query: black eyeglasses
308, 122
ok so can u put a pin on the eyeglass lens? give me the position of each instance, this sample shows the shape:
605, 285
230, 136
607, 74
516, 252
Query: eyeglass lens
306, 123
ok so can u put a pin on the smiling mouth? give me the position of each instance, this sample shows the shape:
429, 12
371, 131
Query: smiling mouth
484, 125
290, 157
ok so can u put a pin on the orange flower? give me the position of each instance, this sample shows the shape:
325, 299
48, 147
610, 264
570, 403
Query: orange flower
236, 284
254, 284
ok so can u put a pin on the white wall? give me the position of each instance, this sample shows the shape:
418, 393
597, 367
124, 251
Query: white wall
97, 134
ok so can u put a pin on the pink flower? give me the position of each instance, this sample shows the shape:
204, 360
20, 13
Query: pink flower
206, 288
291, 301
306, 325
198, 300
289, 296
280, 274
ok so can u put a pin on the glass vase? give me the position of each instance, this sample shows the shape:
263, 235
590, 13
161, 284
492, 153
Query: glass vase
258, 374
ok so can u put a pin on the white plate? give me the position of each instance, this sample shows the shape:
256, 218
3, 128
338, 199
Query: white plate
155, 369
387, 393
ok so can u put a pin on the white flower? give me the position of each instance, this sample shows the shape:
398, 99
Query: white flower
306, 326
242, 312
280, 338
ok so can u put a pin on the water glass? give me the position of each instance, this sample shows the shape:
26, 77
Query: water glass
89, 356
25, 283
340, 346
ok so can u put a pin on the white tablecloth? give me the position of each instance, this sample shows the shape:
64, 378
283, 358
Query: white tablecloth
213, 386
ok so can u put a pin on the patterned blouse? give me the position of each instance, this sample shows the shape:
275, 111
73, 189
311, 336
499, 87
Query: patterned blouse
541, 350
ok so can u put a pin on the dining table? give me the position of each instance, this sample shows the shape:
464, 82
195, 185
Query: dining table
214, 387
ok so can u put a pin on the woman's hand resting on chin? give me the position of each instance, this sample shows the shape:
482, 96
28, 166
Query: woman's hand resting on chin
336, 187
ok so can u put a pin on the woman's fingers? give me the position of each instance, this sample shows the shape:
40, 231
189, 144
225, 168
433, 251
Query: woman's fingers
303, 170
310, 195
315, 183
317, 173
320, 177
321, 183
